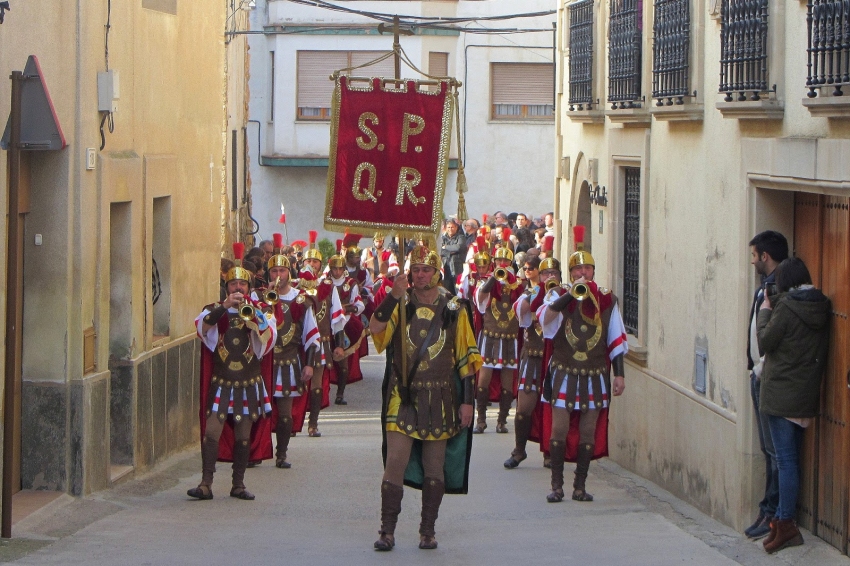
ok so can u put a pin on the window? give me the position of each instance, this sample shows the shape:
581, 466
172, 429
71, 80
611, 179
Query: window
670, 58
438, 64
743, 49
631, 245
581, 55
314, 67
625, 27
523, 91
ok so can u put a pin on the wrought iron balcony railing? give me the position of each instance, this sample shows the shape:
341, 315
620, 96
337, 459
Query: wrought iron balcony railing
581, 55
743, 49
624, 53
670, 54
829, 45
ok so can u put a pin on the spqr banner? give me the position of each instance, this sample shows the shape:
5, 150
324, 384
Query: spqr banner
389, 156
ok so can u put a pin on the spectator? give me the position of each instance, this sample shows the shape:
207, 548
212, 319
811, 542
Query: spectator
794, 335
452, 253
525, 239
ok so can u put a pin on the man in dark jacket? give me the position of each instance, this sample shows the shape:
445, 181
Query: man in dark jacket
767, 249
452, 254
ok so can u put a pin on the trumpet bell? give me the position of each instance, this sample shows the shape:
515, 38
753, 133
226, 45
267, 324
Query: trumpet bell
580, 291
246, 312
551, 284
271, 297
500, 273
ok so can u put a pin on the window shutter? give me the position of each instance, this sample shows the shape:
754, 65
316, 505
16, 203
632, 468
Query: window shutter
523, 83
314, 68
438, 64
385, 68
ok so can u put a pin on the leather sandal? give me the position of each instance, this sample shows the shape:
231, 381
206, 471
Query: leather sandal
547, 463
427, 542
282, 463
479, 428
313, 431
385, 542
340, 401
200, 492
241, 493
254, 463
581, 495
512, 462
501, 428
556, 496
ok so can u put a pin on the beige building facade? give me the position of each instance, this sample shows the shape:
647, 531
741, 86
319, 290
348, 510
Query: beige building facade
679, 137
124, 235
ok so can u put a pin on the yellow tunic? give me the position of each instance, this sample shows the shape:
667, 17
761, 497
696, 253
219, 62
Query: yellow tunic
467, 361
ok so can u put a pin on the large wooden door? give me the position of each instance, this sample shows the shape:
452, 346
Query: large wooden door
822, 240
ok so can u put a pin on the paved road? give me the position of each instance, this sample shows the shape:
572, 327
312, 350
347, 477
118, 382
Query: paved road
325, 510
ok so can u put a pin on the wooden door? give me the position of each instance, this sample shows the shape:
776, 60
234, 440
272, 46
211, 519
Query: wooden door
825, 501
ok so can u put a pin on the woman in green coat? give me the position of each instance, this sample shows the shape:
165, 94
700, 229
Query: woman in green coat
793, 333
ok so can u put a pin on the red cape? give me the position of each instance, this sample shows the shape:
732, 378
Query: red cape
261, 440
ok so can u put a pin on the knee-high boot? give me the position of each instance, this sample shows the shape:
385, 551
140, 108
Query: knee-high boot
282, 434
522, 430
505, 400
391, 495
432, 496
209, 455
241, 451
315, 407
341, 381
585, 453
482, 397
556, 454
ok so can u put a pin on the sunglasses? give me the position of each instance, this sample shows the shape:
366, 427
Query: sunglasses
526, 268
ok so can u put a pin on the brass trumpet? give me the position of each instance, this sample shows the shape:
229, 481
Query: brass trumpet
580, 291
247, 311
551, 284
501, 274
271, 296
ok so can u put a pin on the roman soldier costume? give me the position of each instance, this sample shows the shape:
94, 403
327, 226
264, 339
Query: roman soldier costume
348, 291
588, 338
424, 405
370, 258
296, 346
234, 391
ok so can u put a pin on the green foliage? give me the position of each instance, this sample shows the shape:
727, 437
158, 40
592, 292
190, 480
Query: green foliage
327, 248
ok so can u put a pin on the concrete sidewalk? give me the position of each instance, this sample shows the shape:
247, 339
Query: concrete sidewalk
325, 510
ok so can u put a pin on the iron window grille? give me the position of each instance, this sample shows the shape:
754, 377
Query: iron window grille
743, 48
581, 55
671, 50
625, 25
829, 45
631, 261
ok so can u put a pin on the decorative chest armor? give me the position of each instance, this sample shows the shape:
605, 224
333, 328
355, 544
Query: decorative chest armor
236, 371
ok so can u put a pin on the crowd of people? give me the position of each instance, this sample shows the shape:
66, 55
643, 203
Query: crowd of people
481, 316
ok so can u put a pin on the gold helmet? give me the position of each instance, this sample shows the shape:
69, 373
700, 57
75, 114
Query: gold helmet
338, 259
421, 255
237, 272
350, 246
278, 260
549, 263
581, 257
482, 256
312, 252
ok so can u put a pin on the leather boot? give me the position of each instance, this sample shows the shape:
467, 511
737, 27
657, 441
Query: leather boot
282, 433
771, 522
556, 457
209, 455
391, 495
787, 534
585, 453
432, 495
505, 400
522, 430
315, 407
482, 397
241, 450
341, 381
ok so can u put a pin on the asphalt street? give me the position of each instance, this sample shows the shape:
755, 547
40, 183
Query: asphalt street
325, 511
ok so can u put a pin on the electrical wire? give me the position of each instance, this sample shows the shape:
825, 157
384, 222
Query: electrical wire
389, 17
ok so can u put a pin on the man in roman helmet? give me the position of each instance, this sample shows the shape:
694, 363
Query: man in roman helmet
350, 339
370, 258
494, 299
236, 334
428, 395
354, 330
295, 349
331, 319
588, 344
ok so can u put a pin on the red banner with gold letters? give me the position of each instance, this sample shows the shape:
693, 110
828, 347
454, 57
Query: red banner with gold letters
389, 155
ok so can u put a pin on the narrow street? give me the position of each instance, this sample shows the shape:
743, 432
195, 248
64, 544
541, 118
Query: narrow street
325, 511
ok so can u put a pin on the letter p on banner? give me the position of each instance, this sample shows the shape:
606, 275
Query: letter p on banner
389, 156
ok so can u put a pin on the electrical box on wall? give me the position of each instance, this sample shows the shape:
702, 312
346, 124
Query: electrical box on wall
107, 91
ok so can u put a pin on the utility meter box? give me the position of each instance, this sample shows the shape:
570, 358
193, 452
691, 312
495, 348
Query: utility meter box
107, 90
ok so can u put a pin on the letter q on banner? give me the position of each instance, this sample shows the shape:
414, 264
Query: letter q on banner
389, 155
